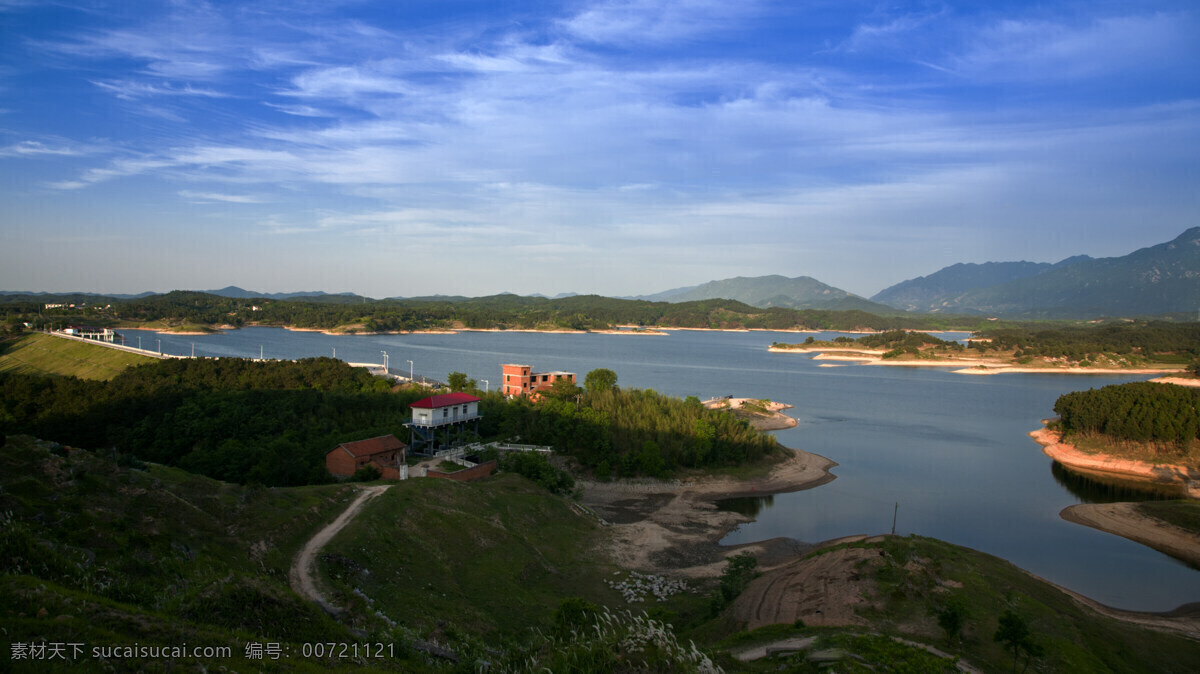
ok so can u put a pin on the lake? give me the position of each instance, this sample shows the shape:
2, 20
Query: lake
951, 450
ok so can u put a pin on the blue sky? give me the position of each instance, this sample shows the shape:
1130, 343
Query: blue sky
614, 147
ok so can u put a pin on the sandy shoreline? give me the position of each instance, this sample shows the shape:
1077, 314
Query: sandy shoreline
1072, 457
1124, 519
676, 526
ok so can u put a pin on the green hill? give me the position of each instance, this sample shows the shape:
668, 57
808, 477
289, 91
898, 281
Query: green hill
764, 292
43, 354
99, 550
96, 551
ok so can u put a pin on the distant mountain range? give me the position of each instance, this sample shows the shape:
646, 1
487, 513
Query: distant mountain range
1161, 279
802, 292
928, 293
1157, 280
242, 294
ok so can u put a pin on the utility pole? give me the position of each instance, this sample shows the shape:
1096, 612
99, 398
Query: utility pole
894, 513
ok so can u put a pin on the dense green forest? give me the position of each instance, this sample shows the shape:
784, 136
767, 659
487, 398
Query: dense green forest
630, 432
231, 419
582, 312
273, 422
1153, 341
1138, 411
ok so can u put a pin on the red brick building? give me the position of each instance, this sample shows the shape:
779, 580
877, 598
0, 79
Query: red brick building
521, 380
386, 452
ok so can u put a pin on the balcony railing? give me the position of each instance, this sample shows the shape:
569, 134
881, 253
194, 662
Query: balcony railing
442, 421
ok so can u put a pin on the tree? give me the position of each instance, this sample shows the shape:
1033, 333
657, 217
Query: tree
1014, 633
602, 379
951, 618
740, 569
563, 389
457, 381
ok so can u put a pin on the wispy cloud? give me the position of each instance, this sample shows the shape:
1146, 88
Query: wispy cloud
129, 90
209, 197
648, 21
33, 148
621, 126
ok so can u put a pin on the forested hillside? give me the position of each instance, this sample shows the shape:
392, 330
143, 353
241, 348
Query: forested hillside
273, 422
504, 312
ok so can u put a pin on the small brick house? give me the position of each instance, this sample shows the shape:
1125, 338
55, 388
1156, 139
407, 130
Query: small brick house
386, 452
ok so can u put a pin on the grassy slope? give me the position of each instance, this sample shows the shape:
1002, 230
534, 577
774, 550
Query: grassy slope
101, 554
43, 354
1183, 514
492, 558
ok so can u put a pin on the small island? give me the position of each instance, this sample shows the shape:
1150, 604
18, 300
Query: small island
761, 414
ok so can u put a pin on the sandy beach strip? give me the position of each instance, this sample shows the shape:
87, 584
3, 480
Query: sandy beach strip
1125, 520
1002, 368
1178, 381
1073, 457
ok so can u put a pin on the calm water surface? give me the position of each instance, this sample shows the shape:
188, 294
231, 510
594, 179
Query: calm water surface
950, 449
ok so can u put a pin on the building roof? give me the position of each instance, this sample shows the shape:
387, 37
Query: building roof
444, 400
372, 446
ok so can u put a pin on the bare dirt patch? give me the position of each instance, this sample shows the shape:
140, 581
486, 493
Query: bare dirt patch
677, 526
824, 590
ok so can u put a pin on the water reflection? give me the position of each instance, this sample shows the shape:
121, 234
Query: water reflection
750, 506
1092, 488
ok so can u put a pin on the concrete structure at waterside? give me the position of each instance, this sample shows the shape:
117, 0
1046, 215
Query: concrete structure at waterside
95, 334
520, 380
386, 452
442, 421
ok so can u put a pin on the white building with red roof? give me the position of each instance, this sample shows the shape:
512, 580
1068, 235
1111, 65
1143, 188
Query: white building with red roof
442, 420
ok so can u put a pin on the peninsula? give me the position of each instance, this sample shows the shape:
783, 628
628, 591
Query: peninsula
1121, 349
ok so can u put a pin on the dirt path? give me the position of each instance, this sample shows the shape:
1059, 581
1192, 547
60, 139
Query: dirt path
301, 576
